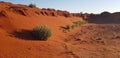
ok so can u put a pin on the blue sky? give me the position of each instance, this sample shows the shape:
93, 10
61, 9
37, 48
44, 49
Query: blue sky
89, 6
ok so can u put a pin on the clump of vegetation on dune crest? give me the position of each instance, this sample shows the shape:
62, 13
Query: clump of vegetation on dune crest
32, 5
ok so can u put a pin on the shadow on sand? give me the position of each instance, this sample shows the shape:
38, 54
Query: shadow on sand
23, 34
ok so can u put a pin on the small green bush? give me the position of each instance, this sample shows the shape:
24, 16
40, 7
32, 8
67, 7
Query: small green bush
78, 23
41, 32
68, 27
32, 5
72, 26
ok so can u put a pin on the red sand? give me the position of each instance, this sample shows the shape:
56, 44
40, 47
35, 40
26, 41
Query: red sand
61, 45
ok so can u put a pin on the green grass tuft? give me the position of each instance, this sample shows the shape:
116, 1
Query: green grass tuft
41, 32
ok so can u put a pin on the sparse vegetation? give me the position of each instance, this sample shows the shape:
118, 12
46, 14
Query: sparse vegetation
41, 32
32, 5
75, 24
68, 27
78, 23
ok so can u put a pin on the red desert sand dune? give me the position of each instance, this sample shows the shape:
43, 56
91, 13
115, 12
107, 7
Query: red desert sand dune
87, 41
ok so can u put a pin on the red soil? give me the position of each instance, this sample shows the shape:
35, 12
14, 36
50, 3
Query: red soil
16, 22
20, 44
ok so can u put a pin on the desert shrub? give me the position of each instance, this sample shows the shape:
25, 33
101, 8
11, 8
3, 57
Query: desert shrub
32, 5
68, 27
78, 23
41, 32
72, 26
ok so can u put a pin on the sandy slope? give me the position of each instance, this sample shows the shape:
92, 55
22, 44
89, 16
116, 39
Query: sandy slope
20, 44
16, 40
87, 41
96, 41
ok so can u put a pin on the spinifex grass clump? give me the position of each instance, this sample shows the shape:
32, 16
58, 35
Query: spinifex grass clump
41, 32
